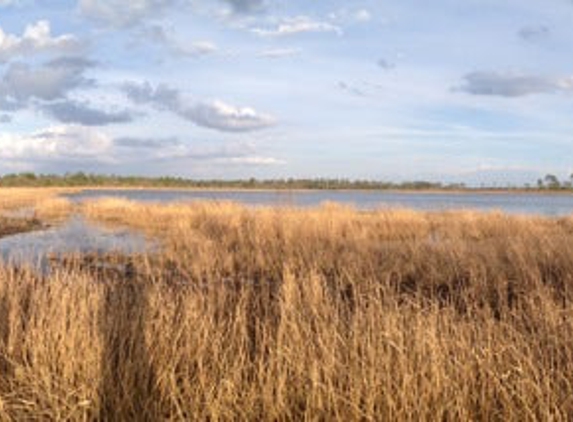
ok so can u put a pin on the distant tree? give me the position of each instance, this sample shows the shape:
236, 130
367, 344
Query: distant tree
552, 181
540, 183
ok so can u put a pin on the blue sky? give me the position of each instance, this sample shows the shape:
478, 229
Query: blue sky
479, 91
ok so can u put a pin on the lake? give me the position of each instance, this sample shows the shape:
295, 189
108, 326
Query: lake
548, 204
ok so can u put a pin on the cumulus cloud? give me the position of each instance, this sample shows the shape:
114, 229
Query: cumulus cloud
83, 147
58, 143
533, 33
221, 116
36, 38
297, 25
68, 111
51, 81
215, 114
162, 97
122, 13
513, 84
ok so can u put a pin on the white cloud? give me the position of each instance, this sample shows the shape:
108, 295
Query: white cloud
297, 25
222, 116
216, 114
21, 82
36, 38
57, 143
68, 111
121, 13
505, 84
88, 146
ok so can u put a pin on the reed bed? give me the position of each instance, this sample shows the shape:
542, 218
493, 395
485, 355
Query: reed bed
34, 204
297, 314
18, 198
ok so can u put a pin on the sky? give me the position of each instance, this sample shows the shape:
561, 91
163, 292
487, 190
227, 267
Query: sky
474, 91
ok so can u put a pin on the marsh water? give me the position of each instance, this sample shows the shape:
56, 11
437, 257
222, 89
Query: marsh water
75, 236
80, 236
548, 204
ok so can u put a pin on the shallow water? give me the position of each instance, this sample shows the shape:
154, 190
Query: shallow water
515, 203
74, 236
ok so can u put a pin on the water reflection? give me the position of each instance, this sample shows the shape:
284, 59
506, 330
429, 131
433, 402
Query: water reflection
75, 236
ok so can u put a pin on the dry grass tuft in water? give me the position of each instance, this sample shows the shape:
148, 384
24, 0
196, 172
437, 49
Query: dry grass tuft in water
10, 226
43, 204
280, 314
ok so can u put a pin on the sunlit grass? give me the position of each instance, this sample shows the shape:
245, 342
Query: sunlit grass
281, 313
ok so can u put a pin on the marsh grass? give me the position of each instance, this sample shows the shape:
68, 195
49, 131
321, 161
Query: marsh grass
9, 226
281, 314
34, 204
16, 198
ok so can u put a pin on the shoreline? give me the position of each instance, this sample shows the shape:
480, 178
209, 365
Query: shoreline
477, 191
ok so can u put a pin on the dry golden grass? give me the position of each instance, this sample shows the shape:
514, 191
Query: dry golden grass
54, 209
15, 198
282, 314
41, 203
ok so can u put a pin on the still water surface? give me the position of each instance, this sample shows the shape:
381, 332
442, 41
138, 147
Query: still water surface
516, 203
75, 236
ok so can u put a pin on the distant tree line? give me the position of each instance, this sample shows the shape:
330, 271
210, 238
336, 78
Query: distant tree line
552, 182
81, 179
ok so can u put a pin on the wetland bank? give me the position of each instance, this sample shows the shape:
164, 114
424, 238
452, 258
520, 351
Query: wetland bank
290, 313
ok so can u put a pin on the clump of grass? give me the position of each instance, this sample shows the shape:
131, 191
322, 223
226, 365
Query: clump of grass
17, 198
27, 209
279, 314
9, 226
54, 210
